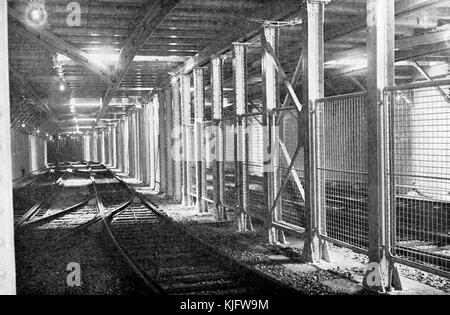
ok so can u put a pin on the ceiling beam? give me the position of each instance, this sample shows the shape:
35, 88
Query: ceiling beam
55, 44
406, 48
26, 87
136, 40
402, 8
244, 29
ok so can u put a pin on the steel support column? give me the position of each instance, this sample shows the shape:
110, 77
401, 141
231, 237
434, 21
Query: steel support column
114, 146
240, 135
95, 146
217, 105
132, 144
7, 259
120, 145
163, 139
186, 120
199, 114
86, 148
147, 128
152, 142
313, 89
169, 162
138, 144
271, 90
380, 74
103, 147
126, 149
137, 168
176, 136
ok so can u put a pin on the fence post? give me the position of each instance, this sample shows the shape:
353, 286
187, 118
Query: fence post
313, 89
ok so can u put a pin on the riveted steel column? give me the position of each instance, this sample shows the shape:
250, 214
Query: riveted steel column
271, 90
132, 144
240, 135
313, 89
95, 153
163, 139
176, 136
169, 162
156, 129
7, 259
120, 146
199, 111
126, 148
87, 148
111, 146
141, 146
146, 114
138, 144
217, 104
186, 120
380, 74
103, 147
114, 146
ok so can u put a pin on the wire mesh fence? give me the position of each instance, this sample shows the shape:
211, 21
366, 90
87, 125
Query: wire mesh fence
191, 163
208, 154
288, 148
341, 133
418, 137
255, 165
229, 163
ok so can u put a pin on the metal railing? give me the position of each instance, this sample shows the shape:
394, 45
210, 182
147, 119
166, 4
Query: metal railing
191, 163
418, 175
288, 167
254, 164
229, 164
208, 155
341, 149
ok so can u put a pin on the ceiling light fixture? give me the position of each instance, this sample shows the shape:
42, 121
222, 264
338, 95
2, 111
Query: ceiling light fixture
36, 12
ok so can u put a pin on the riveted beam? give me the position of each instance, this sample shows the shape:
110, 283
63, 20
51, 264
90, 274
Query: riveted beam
55, 44
135, 41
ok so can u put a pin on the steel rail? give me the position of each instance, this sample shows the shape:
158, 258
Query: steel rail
33, 210
105, 217
213, 250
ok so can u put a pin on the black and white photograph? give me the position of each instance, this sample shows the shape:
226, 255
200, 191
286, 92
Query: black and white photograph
225, 155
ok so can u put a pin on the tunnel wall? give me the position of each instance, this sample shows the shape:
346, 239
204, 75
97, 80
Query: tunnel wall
29, 153
20, 154
66, 149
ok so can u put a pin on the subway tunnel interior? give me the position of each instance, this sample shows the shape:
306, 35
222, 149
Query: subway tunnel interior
225, 147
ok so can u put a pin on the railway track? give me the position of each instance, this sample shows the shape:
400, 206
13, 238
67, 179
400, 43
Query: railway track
170, 259
166, 256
